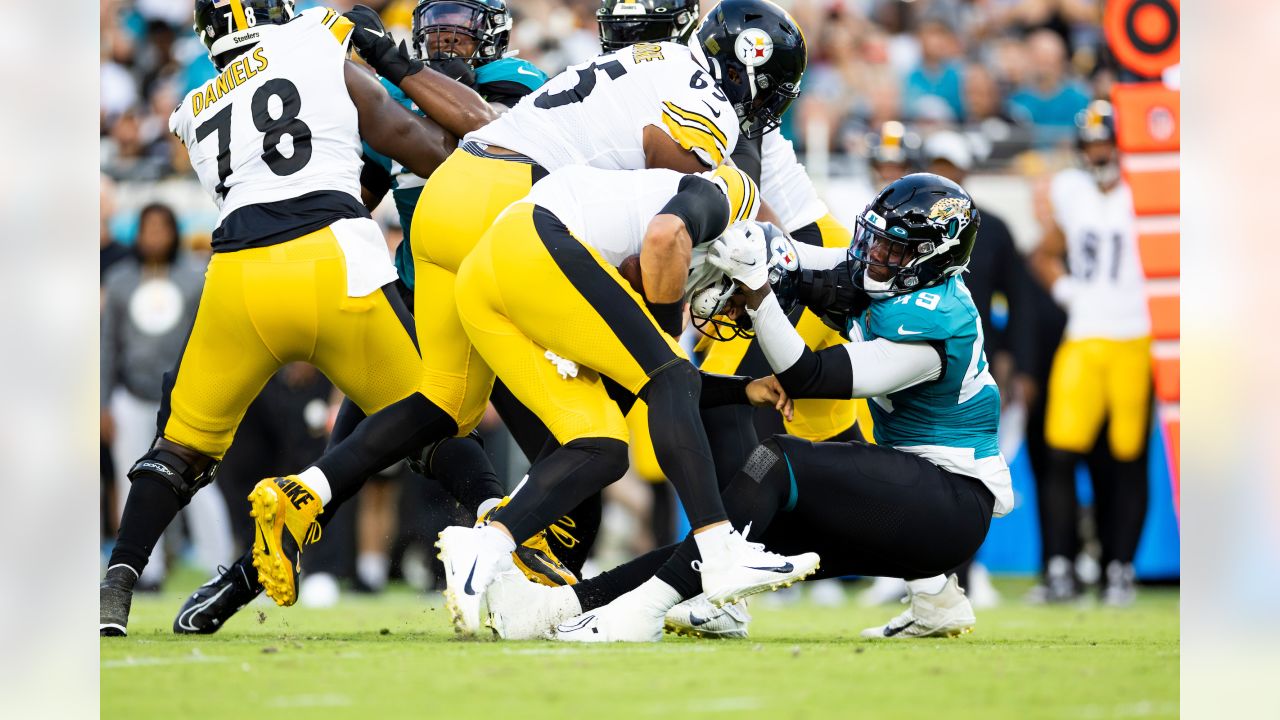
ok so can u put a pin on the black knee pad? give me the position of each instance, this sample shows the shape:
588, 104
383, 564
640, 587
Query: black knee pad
183, 477
674, 380
609, 456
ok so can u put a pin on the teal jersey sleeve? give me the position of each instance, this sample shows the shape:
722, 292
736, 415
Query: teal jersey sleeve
405, 189
510, 71
962, 407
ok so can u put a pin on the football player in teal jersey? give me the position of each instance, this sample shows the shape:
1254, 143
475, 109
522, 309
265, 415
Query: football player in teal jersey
915, 504
466, 40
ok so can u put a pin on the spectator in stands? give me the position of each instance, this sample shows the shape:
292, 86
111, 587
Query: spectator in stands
938, 74
149, 306
1051, 100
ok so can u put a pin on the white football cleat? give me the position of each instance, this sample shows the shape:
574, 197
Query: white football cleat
615, 622
742, 569
946, 613
516, 608
471, 563
696, 617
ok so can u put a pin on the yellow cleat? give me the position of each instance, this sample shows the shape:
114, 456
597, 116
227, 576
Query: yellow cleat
276, 505
535, 558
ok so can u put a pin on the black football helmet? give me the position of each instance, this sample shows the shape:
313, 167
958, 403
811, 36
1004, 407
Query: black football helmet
627, 22
486, 21
228, 27
918, 232
757, 55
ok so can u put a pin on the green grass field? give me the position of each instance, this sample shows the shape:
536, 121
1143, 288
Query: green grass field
395, 656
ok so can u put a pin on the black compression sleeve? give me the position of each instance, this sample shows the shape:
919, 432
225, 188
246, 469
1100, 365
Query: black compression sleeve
746, 156
701, 206
720, 390
826, 374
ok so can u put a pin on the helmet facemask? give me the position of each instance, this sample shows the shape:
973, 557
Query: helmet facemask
456, 26
626, 23
887, 260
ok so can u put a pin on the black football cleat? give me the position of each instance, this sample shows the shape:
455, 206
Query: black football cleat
214, 602
115, 595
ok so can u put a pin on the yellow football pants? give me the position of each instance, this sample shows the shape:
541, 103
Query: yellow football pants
814, 420
530, 288
460, 201
264, 307
1094, 380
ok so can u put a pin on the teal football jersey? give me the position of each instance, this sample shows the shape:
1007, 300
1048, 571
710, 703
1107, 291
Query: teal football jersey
961, 409
502, 81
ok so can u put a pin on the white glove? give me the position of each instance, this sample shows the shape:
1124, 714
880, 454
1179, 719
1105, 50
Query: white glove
566, 368
741, 253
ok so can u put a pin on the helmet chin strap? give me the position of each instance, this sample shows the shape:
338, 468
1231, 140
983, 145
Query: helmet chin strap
877, 289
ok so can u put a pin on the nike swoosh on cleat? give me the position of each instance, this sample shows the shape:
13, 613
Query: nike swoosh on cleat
266, 546
695, 621
467, 588
890, 632
780, 569
576, 626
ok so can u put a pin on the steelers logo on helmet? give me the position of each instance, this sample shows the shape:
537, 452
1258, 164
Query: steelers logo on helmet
753, 47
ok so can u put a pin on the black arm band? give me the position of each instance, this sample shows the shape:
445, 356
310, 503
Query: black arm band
826, 374
670, 316
720, 390
701, 206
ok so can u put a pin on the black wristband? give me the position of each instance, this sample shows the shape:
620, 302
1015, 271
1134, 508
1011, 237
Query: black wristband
670, 316
720, 390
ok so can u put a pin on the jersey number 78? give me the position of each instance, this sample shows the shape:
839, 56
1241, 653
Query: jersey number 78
273, 130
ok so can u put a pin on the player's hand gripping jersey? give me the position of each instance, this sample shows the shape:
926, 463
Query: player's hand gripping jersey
271, 139
595, 113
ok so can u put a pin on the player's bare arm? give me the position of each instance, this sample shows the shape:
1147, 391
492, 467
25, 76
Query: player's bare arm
660, 151
454, 106
664, 259
415, 142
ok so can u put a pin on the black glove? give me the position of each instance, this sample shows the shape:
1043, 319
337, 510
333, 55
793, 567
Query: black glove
830, 295
455, 69
375, 45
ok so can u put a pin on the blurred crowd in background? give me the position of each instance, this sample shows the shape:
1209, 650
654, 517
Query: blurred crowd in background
983, 89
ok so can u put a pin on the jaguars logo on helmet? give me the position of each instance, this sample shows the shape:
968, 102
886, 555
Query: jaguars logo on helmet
627, 22
229, 26
918, 232
757, 55
486, 22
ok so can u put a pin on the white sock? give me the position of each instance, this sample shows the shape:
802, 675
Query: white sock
928, 586
498, 540
486, 506
372, 569
313, 478
713, 542
654, 596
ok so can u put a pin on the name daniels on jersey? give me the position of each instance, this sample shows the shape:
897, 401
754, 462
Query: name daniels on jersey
236, 74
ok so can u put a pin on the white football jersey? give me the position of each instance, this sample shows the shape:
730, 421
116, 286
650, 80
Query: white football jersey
1102, 254
277, 123
786, 186
595, 113
610, 210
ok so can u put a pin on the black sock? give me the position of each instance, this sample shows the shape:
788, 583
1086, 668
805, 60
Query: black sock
1059, 506
151, 506
382, 439
345, 422
572, 536
1121, 528
463, 468
680, 441
755, 496
559, 483
606, 587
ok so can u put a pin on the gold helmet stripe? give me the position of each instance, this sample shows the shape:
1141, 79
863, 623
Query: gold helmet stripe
237, 10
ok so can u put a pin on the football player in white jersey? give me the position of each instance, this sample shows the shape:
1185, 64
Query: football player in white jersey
300, 271
1102, 371
543, 301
